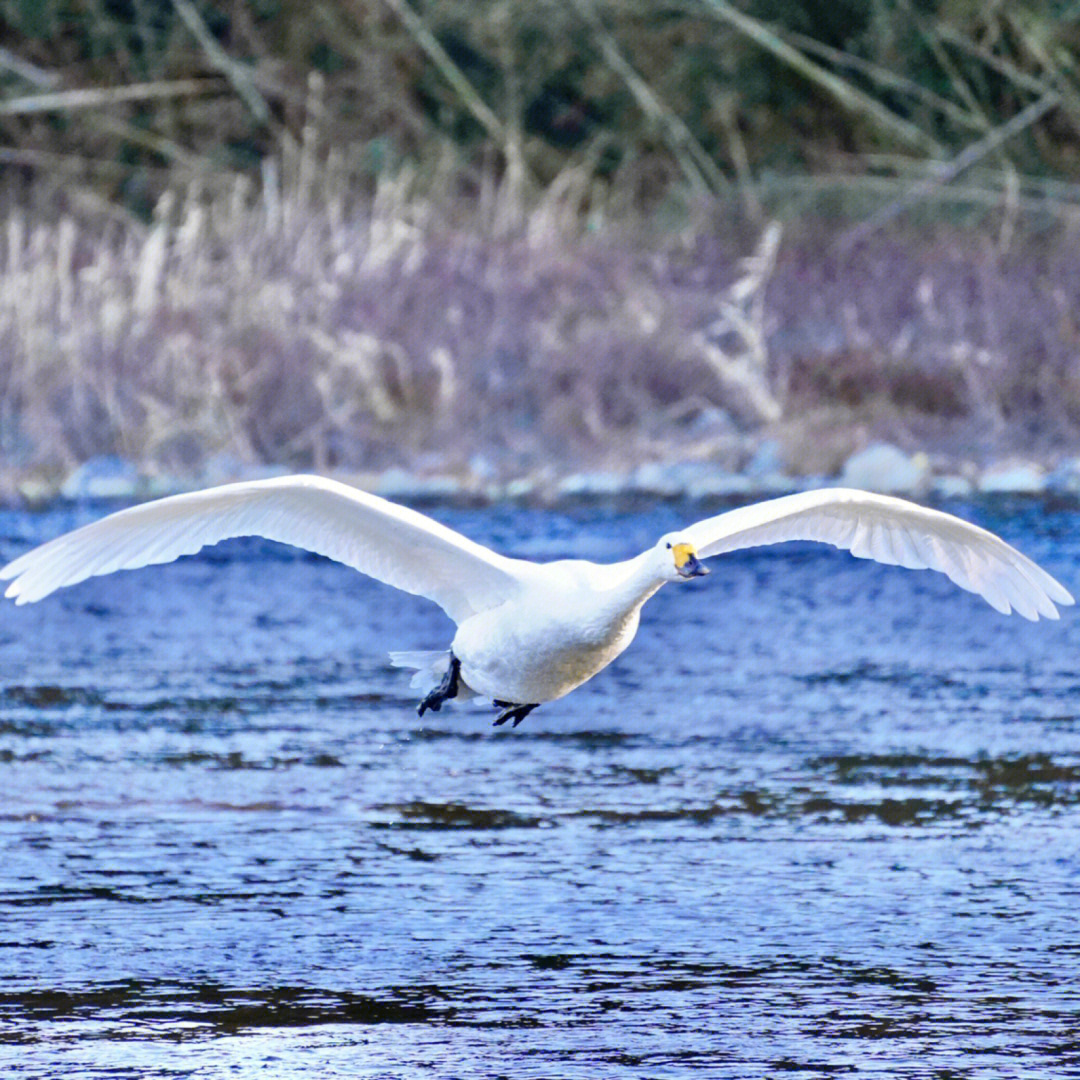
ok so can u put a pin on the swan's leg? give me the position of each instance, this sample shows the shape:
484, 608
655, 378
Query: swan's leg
510, 711
447, 689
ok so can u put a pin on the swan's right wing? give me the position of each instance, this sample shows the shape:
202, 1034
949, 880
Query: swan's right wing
893, 531
392, 543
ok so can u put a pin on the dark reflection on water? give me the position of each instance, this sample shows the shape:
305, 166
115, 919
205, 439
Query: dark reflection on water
821, 820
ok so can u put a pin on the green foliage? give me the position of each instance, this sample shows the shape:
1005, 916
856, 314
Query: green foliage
655, 94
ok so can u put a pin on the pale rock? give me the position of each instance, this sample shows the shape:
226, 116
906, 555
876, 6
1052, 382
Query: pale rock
591, 484
520, 488
951, 486
657, 479
674, 479
885, 468
1013, 478
103, 477
396, 483
36, 490
779, 483
222, 469
1065, 479
721, 485
159, 485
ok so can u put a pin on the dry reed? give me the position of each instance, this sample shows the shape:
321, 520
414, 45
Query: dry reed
291, 326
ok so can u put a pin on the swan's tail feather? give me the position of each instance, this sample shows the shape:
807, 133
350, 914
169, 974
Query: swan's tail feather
430, 667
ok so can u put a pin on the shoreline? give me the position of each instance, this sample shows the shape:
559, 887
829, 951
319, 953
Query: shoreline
446, 361
881, 467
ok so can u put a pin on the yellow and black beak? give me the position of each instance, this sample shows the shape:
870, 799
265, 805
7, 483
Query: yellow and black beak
687, 563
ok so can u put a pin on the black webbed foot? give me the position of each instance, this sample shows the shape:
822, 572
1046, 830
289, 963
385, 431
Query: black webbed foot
510, 711
446, 690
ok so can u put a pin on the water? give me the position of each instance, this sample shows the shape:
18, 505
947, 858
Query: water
822, 818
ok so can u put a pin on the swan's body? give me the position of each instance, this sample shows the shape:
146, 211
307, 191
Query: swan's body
527, 632
572, 621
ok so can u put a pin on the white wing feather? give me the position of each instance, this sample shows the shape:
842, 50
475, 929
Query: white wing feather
389, 542
893, 531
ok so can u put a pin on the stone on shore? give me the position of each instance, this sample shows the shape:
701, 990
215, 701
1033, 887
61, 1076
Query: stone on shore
766, 470
721, 485
952, 486
37, 490
586, 484
676, 479
1065, 478
104, 477
1013, 478
396, 483
886, 468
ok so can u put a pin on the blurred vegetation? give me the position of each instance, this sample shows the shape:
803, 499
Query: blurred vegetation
506, 234
769, 102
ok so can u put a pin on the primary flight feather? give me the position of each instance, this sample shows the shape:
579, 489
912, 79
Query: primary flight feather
527, 632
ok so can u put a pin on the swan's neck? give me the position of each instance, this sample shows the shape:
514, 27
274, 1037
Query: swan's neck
636, 581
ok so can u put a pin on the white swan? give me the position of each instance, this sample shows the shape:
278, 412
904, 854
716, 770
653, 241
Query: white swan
527, 632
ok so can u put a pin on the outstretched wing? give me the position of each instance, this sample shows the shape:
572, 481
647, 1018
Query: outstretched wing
891, 531
389, 542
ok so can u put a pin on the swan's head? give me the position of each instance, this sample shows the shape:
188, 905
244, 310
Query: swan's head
679, 559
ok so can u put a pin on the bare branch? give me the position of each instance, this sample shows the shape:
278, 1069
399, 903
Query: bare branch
26, 71
235, 72
699, 167
104, 96
450, 71
963, 161
849, 96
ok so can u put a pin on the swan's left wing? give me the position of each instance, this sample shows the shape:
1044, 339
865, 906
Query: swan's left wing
392, 543
893, 531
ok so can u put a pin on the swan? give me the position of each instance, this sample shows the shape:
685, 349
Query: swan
527, 633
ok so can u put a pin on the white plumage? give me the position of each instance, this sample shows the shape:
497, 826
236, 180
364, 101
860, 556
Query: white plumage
527, 632
892, 531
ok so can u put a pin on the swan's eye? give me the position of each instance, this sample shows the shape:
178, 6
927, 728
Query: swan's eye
683, 554
669, 547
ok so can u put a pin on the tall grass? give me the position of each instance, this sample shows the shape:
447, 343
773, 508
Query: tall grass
290, 325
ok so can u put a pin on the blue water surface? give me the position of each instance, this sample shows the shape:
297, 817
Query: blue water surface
823, 818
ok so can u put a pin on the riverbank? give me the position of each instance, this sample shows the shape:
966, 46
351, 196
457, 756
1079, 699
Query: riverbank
551, 357
880, 467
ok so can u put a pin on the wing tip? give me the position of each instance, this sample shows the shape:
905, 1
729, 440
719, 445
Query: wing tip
1043, 607
16, 567
18, 592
